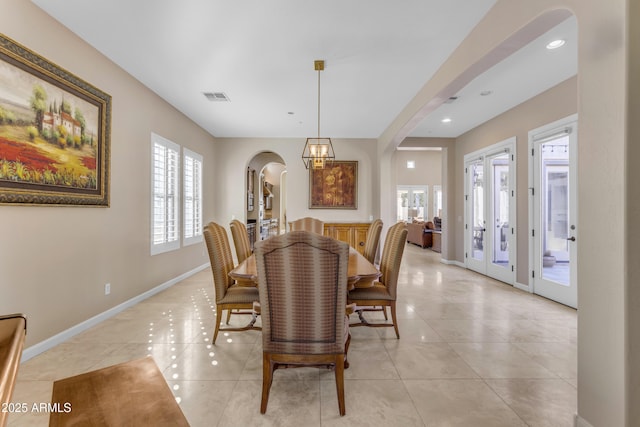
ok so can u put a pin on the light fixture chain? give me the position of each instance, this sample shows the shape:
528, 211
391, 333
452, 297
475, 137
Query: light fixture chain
319, 104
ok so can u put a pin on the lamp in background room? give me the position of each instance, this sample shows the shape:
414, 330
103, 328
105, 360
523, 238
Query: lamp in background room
317, 151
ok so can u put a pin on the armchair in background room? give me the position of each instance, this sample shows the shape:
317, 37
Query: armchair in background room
420, 233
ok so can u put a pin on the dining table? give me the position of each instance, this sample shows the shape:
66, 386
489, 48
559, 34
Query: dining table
360, 272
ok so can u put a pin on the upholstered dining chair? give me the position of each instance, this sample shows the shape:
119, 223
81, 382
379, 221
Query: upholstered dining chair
373, 238
371, 250
240, 240
229, 296
383, 293
307, 224
302, 278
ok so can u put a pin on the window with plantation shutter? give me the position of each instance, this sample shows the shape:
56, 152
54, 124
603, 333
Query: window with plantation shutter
165, 203
192, 194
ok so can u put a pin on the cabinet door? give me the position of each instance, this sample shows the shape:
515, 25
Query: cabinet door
344, 234
360, 237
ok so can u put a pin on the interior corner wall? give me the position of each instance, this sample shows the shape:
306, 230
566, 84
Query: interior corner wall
55, 261
556, 103
234, 154
633, 215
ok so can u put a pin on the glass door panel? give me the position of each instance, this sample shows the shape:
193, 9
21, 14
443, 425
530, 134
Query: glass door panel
500, 211
402, 205
437, 201
411, 202
555, 211
419, 203
477, 222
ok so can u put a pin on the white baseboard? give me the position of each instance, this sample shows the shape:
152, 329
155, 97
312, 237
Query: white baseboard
522, 287
452, 262
63, 336
580, 422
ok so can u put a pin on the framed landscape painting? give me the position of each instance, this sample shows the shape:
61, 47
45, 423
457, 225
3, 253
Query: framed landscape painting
54, 133
335, 186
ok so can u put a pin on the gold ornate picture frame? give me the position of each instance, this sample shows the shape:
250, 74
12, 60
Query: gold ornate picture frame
54, 133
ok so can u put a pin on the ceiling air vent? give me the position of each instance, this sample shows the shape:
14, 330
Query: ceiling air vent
451, 100
216, 96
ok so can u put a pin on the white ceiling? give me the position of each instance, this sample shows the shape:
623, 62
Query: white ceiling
260, 54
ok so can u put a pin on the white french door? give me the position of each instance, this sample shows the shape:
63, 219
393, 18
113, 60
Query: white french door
553, 219
490, 211
412, 202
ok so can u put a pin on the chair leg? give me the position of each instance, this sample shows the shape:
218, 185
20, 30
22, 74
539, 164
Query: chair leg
384, 311
267, 379
218, 320
346, 351
394, 319
340, 383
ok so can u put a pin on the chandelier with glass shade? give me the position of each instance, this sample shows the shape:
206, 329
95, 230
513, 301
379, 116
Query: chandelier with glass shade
318, 150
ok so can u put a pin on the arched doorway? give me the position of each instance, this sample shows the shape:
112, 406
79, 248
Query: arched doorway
265, 193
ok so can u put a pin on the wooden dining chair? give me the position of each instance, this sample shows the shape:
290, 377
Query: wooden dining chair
372, 241
302, 279
240, 240
229, 296
307, 224
371, 250
384, 292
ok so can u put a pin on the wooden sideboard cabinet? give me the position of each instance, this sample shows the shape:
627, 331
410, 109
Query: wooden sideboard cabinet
355, 234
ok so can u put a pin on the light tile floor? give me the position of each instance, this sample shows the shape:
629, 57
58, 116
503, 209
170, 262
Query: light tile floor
472, 352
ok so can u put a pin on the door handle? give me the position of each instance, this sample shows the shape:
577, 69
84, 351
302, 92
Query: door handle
572, 238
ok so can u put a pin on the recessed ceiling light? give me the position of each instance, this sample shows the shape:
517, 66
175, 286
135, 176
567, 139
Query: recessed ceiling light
411, 164
486, 92
291, 113
555, 44
446, 120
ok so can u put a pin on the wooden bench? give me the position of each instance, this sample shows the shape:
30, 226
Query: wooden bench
13, 329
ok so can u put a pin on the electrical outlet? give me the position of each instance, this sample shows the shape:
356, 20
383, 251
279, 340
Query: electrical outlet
107, 288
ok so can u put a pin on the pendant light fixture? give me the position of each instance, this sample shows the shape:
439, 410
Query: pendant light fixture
318, 151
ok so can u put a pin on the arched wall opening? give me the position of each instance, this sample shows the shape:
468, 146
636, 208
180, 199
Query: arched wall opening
264, 205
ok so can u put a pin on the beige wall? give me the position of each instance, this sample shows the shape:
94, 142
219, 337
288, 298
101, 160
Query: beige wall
554, 104
233, 155
428, 170
55, 261
633, 213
